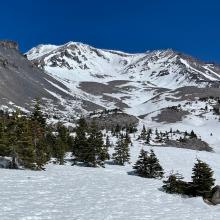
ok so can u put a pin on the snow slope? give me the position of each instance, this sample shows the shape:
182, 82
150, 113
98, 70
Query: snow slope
67, 192
117, 79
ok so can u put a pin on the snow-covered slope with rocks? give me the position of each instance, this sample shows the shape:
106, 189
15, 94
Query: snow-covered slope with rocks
162, 68
138, 83
164, 89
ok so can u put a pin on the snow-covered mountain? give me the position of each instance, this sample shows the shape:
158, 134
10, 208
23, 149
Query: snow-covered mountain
75, 78
161, 68
138, 83
165, 89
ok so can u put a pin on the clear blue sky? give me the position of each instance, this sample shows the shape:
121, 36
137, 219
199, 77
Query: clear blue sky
190, 26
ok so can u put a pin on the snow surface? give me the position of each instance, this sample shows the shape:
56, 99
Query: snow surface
73, 192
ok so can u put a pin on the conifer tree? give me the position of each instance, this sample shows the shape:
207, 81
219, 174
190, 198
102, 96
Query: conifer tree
175, 184
96, 153
80, 141
193, 135
59, 150
25, 149
143, 133
38, 127
117, 130
140, 166
4, 148
148, 136
128, 139
202, 178
156, 171
121, 154
37, 114
107, 142
148, 165
106, 147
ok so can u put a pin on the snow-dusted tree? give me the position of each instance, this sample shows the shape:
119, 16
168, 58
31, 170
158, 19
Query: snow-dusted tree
148, 137
143, 133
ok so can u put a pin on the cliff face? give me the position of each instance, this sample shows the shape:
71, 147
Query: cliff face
9, 44
21, 81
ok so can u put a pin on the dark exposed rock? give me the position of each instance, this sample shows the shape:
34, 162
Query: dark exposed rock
170, 115
9, 44
21, 81
8, 163
193, 144
215, 195
109, 121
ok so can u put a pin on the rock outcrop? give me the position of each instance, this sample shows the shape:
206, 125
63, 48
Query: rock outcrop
215, 195
9, 44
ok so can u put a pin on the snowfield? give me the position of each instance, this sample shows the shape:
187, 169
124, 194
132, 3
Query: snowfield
73, 192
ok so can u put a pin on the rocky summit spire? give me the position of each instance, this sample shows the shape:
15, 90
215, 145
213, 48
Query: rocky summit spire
9, 44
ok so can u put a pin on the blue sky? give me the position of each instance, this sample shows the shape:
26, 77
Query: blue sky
190, 26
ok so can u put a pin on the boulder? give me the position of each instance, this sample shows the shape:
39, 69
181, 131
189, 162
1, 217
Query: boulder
8, 163
215, 195
5, 163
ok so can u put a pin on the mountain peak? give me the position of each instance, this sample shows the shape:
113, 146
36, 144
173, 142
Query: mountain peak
9, 44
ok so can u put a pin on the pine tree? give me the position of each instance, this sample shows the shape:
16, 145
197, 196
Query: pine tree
62, 143
193, 135
174, 184
202, 178
96, 152
121, 154
117, 129
156, 171
128, 139
37, 114
4, 148
143, 133
107, 146
59, 150
148, 165
25, 149
80, 141
38, 139
140, 166
148, 136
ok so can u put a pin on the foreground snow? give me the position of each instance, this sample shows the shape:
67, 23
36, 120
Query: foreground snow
67, 192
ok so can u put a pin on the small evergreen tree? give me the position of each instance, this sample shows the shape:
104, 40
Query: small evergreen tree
24, 148
37, 114
121, 154
128, 139
140, 166
147, 141
143, 133
202, 178
80, 141
148, 165
175, 184
117, 129
193, 135
96, 152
